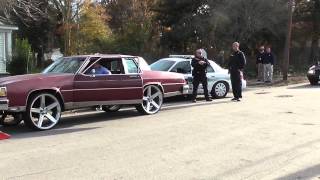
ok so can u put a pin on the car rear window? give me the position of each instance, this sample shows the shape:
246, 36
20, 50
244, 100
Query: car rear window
162, 65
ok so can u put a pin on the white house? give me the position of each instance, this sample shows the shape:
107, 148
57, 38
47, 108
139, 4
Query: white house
5, 45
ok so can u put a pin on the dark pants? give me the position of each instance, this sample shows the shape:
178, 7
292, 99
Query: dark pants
196, 81
317, 73
236, 83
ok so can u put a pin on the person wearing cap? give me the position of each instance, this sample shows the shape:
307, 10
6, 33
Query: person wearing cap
199, 73
236, 65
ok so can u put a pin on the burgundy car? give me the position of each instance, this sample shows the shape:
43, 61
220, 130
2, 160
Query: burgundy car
72, 83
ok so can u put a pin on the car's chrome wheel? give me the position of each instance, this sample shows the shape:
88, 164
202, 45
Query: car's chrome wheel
152, 100
220, 90
43, 111
111, 108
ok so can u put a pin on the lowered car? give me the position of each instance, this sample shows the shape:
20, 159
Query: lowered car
72, 83
314, 74
218, 78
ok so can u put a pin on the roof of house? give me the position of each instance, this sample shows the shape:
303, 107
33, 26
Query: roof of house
7, 27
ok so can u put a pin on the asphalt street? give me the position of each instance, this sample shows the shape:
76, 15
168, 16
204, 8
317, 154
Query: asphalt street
273, 133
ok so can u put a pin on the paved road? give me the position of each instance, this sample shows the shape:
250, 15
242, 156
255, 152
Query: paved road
272, 134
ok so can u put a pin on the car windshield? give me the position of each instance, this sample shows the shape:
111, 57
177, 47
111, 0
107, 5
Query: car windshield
65, 65
162, 65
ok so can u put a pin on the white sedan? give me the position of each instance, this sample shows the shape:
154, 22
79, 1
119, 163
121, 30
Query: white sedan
218, 78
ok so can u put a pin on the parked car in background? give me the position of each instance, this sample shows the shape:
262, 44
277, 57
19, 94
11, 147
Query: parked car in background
218, 78
72, 83
314, 74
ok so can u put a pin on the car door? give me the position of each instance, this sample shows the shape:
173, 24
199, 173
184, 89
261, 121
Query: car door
105, 89
184, 67
131, 79
211, 75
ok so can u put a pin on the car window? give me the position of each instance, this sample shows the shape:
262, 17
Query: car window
210, 69
131, 65
65, 65
162, 65
183, 67
114, 65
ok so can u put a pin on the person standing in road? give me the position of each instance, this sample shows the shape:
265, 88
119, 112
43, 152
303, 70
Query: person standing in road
236, 65
268, 65
259, 61
199, 73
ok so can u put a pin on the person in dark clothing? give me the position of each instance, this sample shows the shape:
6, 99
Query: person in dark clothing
236, 65
268, 65
199, 73
259, 61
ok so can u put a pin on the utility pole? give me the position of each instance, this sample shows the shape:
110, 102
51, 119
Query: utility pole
286, 61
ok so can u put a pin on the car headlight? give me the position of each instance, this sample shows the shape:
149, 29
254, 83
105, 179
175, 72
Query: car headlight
3, 91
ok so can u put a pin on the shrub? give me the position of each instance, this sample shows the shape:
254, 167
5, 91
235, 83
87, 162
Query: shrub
23, 61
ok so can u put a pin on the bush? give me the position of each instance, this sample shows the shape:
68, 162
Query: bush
23, 61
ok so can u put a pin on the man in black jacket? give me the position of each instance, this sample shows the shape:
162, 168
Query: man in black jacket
199, 73
236, 64
268, 66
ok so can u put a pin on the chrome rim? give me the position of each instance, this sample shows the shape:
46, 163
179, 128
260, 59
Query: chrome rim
152, 99
45, 111
220, 89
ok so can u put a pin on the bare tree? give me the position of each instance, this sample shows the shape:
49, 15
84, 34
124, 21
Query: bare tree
25, 10
69, 10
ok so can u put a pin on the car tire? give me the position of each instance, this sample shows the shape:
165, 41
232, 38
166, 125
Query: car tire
152, 100
111, 108
313, 81
43, 111
220, 90
15, 120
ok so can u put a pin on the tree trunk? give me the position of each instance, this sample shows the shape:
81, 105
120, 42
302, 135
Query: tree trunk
315, 49
286, 61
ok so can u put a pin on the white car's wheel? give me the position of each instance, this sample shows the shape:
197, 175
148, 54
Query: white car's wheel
111, 108
152, 100
43, 111
220, 90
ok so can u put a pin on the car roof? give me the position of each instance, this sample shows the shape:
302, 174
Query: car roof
174, 59
105, 56
180, 59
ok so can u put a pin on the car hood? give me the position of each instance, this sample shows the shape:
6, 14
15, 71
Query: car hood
27, 77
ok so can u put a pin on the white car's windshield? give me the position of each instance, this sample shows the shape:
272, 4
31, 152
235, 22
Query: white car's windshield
162, 65
65, 65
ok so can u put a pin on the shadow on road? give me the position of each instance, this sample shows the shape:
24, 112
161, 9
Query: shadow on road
66, 124
69, 122
308, 173
305, 86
